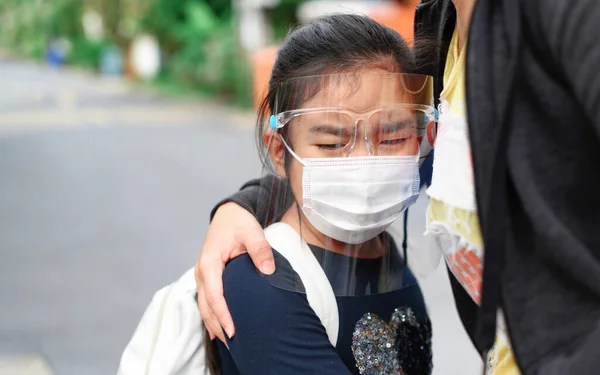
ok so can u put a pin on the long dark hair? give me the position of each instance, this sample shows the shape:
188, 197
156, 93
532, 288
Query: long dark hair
333, 44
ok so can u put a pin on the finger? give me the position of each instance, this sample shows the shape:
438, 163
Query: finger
199, 284
206, 315
205, 311
210, 320
213, 289
253, 238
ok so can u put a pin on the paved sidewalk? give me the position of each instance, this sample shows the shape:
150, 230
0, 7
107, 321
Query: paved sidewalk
37, 97
105, 194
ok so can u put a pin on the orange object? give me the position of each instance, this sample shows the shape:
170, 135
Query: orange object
262, 64
399, 16
468, 270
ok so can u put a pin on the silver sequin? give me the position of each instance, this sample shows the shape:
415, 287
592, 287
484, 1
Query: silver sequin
373, 343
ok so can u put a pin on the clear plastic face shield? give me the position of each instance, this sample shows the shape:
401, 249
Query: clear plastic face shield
404, 99
346, 149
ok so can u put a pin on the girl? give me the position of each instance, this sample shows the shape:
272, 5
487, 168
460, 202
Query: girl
340, 130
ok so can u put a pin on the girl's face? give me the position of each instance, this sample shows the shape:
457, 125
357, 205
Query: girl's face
367, 115
364, 114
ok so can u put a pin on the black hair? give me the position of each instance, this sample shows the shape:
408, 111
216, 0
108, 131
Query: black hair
333, 44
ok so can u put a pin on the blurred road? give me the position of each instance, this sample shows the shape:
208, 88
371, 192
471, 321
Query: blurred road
105, 194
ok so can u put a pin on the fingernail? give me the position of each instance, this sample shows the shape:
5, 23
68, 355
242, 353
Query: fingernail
268, 267
229, 332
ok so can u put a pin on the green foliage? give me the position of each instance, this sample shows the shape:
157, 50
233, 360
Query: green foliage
197, 37
64, 19
28, 25
222, 8
200, 46
283, 17
86, 53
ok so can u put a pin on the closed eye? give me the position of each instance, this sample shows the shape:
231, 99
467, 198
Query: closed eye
393, 141
331, 146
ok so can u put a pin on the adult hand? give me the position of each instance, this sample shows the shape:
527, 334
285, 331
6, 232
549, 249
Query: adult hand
232, 232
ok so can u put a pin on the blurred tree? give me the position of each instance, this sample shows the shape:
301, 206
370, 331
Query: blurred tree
283, 17
29, 25
221, 8
199, 46
197, 37
64, 19
111, 11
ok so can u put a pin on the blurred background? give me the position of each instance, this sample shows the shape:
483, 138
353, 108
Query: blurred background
122, 123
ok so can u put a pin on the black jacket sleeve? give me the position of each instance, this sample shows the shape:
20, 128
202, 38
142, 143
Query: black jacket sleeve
255, 196
246, 197
569, 31
585, 360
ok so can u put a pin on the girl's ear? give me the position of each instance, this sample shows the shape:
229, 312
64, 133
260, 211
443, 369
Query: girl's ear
276, 148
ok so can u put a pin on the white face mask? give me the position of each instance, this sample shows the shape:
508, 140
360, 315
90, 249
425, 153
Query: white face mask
354, 199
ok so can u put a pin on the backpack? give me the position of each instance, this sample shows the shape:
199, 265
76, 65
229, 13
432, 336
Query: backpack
169, 339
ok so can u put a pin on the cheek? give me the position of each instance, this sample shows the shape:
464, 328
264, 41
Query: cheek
414, 145
307, 151
301, 142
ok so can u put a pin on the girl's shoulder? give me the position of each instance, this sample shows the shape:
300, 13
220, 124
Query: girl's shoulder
242, 270
277, 330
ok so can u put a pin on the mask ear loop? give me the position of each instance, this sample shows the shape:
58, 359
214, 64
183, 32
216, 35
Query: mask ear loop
405, 239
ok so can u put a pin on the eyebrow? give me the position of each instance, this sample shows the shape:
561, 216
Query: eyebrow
331, 130
397, 125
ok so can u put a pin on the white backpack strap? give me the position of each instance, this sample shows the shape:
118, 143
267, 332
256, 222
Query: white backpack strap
319, 292
169, 339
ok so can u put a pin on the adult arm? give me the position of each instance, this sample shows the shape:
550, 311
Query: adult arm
234, 230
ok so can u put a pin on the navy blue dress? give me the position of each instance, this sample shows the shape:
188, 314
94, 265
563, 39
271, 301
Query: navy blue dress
277, 332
